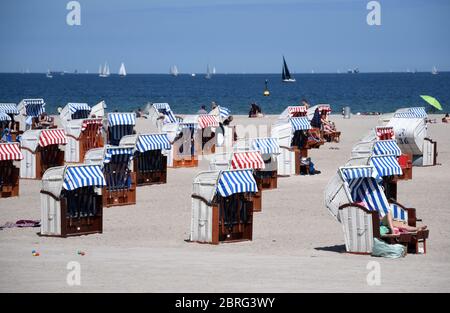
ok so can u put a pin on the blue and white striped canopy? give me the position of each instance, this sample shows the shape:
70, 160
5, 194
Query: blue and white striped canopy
398, 213
109, 152
386, 165
34, 107
300, 123
224, 112
351, 173
165, 109
370, 193
189, 125
83, 176
153, 142
266, 145
231, 182
4, 117
115, 119
74, 107
419, 112
384, 147
9, 108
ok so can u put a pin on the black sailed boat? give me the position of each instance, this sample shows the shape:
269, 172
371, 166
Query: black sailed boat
285, 74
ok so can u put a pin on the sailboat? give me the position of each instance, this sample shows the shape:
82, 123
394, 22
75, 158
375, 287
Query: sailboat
174, 71
434, 71
49, 74
214, 70
208, 72
104, 72
286, 75
122, 71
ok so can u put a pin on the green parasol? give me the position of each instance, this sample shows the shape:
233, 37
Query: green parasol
432, 101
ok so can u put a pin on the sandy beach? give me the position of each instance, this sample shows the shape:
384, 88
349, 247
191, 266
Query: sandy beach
297, 245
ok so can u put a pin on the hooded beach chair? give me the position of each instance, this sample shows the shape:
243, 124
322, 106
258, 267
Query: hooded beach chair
356, 199
225, 134
119, 125
295, 136
42, 149
411, 134
29, 111
115, 162
71, 201
149, 160
269, 149
207, 131
242, 160
82, 136
222, 206
186, 144
74, 111
9, 110
10, 154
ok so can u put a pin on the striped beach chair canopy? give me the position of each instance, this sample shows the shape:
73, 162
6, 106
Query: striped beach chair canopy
83, 176
247, 160
385, 132
297, 109
369, 192
356, 172
117, 119
164, 108
52, 137
97, 122
300, 123
206, 120
386, 147
9, 108
386, 165
324, 108
10, 152
126, 153
153, 142
415, 112
398, 213
34, 107
4, 117
238, 181
75, 107
266, 145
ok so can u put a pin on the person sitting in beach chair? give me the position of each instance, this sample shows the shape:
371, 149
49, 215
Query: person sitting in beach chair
45, 121
255, 111
446, 118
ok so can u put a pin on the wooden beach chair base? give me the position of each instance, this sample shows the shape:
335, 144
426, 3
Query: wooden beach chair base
151, 178
269, 180
232, 219
9, 179
122, 196
185, 162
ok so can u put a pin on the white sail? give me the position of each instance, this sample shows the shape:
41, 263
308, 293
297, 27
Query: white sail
122, 71
174, 70
434, 71
104, 72
214, 70
208, 72
107, 70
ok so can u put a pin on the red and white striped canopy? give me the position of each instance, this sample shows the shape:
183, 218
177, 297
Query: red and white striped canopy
52, 137
385, 133
247, 160
206, 120
91, 121
297, 110
10, 151
324, 108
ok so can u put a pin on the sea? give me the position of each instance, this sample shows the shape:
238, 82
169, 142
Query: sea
363, 92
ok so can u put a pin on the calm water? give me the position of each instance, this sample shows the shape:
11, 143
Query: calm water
362, 92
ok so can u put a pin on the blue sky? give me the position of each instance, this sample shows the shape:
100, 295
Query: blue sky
236, 36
